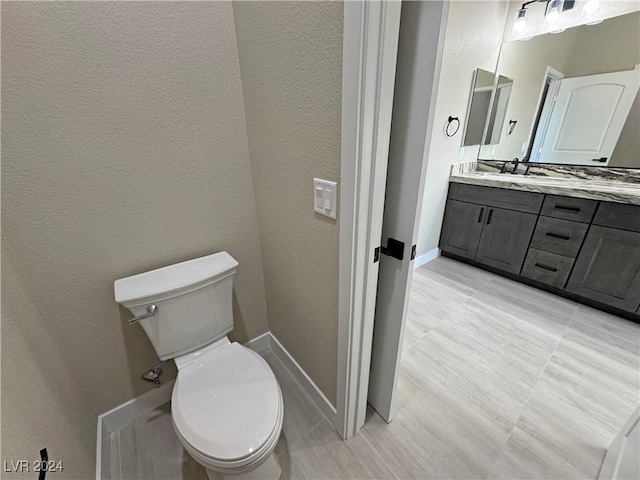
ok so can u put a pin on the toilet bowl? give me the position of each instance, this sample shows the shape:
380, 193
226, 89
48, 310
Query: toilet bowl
226, 403
227, 411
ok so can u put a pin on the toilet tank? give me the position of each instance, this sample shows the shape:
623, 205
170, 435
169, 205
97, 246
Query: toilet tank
193, 299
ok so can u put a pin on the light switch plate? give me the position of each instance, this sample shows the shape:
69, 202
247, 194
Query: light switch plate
325, 197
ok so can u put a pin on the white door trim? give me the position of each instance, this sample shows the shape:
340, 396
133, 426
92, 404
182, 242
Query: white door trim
370, 46
553, 77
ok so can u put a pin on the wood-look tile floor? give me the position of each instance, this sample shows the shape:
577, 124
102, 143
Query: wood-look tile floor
498, 380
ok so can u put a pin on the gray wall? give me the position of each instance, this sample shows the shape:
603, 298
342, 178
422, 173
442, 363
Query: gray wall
43, 404
124, 149
291, 63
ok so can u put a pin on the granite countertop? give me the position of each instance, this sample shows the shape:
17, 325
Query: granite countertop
605, 190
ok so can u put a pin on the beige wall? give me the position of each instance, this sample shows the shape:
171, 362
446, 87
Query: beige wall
472, 40
291, 63
43, 405
124, 149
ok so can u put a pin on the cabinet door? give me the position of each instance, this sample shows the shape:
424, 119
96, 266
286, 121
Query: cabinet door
608, 268
505, 239
461, 228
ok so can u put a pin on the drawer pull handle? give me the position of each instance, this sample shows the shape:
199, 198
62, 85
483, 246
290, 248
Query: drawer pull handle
481, 216
568, 208
489, 216
558, 235
546, 267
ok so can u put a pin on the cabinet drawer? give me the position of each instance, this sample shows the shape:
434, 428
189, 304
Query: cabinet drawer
563, 237
569, 208
517, 200
618, 215
546, 267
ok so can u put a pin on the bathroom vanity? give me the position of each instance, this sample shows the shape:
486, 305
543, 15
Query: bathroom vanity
578, 239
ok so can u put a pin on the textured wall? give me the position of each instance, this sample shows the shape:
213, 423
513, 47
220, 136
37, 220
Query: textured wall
473, 38
124, 149
42, 403
291, 64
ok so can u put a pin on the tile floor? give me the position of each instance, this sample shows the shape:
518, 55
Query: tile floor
498, 380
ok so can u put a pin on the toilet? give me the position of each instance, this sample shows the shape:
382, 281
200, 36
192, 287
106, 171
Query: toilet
226, 403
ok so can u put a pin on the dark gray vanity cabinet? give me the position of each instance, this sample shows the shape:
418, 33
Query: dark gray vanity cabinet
556, 241
495, 231
505, 238
581, 248
461, 228
608, 268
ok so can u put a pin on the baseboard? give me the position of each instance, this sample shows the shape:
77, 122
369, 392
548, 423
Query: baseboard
426, 258
123, 415
126, 413
260, 343
305, 381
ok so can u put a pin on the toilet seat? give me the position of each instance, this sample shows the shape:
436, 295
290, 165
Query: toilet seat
227, 407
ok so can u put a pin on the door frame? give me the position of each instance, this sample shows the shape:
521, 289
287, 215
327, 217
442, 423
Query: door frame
545, 105
370, 46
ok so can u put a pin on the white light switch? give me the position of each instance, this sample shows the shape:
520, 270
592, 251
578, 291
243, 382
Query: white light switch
325, 197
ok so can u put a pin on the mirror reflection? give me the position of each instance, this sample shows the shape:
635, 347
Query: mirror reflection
481, 95
569, 98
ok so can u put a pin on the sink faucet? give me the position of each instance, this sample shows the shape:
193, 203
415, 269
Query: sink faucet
515, 162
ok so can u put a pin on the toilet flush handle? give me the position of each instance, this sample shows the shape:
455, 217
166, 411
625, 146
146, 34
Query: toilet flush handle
151, 311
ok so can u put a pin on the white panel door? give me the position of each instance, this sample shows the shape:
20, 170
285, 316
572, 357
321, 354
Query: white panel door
588, 115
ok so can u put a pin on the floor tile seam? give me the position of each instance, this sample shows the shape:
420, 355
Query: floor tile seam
533, 388
304, 435
391, 469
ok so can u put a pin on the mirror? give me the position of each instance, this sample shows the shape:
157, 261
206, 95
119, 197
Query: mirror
499, 104
481, 93
569, 98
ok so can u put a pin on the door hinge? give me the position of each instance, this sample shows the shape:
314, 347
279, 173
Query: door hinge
376, 254
413, 252
394, 248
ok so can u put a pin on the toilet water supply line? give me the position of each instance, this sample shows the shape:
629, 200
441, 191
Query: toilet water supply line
153, 374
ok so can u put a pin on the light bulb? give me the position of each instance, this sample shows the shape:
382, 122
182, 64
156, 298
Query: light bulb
590, 11
591, 8
519, 29
552, 15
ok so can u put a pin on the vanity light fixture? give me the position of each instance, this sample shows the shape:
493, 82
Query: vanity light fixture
551, 16
590, 11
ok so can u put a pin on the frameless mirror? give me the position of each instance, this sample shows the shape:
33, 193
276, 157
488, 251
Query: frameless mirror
573, 97
481, 94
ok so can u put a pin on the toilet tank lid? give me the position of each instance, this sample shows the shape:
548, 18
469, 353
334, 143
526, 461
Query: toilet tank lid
180, 275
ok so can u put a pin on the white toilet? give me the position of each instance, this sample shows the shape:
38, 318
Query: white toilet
226, 403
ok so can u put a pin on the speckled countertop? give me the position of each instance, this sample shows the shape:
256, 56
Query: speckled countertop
605, 190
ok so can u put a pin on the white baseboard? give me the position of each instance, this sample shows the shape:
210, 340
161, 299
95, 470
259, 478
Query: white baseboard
126, 413
426, 258
305, 381
260, 343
